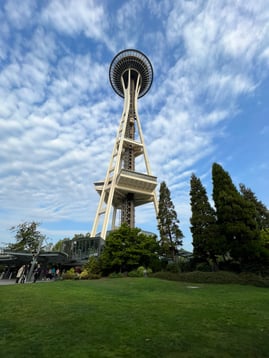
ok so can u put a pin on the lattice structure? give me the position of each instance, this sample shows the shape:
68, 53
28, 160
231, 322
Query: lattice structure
123, 189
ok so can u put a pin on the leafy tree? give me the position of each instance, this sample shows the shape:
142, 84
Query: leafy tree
128, 248
236, 218
93, 265
262, 213
265, 238
168, 224
203, 224
28, 237
59, 244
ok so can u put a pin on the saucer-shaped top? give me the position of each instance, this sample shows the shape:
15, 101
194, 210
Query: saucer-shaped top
138, 63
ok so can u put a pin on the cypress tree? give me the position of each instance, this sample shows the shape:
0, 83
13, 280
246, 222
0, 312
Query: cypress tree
262, 213
204, 231
236, 218
168, 224
262, 219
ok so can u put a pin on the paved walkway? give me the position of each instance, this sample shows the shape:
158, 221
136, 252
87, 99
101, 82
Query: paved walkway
7, 282
13, 282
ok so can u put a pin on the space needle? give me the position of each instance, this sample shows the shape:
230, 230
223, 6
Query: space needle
124, 188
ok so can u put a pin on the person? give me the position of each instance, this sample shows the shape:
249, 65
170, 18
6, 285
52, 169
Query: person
37, 272
20, 274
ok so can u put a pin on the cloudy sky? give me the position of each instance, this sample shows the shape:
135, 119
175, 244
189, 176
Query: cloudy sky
59, 115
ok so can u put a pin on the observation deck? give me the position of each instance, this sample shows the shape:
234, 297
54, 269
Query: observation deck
138, 63
141, 185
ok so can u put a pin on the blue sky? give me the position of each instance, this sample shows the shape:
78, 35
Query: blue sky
59, 115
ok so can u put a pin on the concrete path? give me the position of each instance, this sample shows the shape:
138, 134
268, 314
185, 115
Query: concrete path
13, 282
7, 282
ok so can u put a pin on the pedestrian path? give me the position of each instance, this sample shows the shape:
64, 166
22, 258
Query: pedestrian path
7, 282
13, 282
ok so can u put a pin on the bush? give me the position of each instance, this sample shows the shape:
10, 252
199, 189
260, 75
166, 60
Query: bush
93, 265
253, 279
220, 277
84, 275
134, 273
172, 267
140, 272
70, 275
116, 275
204, 267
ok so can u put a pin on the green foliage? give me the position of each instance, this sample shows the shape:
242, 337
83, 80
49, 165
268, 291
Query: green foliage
116, 275
262, 213
236, 218
28, 237
203, 221
204, 267
93, 265
168, 224
126, 249
70, 274
264, 235
173, 267
85, 275
221, 277
59, 244
140, 272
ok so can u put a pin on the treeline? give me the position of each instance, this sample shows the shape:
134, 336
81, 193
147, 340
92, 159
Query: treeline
234, 234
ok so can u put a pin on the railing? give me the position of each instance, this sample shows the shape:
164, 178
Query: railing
138, 175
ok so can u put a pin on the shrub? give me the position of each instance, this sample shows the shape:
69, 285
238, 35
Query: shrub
70, 274
84, 275
172, 267
185, 266
204, 267
140, 272
253, 279
134, 273
116, 275
93, 265
220, 277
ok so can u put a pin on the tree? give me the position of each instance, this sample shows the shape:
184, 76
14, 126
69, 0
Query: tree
262, 213
265, 239
236, 218
203, 224
28, 238
168, 224
59, 246
128, 248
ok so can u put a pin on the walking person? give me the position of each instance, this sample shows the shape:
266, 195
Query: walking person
37, 272
20, 274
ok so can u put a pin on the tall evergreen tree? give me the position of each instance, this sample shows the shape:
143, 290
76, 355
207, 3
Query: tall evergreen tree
235, 218
262, 213
204, 231
168, 224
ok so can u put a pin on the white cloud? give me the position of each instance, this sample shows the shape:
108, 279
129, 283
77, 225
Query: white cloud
19, 13
75, 17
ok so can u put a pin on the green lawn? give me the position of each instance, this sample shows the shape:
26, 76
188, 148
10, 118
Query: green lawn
133, 317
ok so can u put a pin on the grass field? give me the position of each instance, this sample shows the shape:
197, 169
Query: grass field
133, 317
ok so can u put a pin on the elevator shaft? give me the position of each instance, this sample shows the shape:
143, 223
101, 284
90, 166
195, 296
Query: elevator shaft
128, 208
